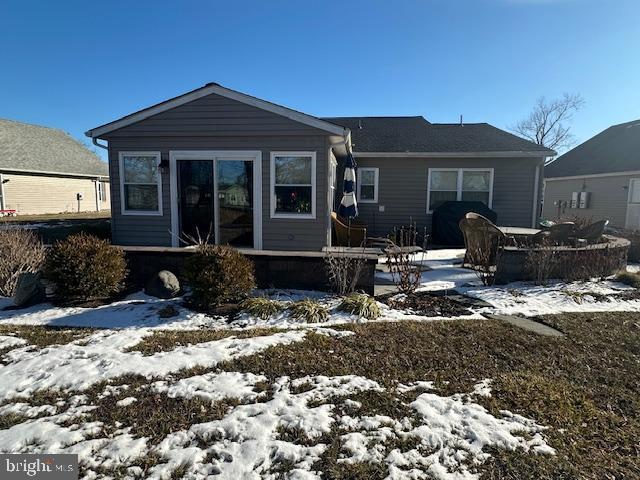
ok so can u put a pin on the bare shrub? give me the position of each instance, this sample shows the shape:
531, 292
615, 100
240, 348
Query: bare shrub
405, 271
406, 274
483, 255
589, 263
540, 263
20, 251
344, 269
634, 237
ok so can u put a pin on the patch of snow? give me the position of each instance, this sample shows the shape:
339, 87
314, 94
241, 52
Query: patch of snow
452, 435
137, 310
10, 341
482, 389
633, 267
419, 385
101, 356
245, 442
533, 300
125, 402
213, 386
27, 410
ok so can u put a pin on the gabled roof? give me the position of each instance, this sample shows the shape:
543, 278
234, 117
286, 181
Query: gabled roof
32, 148
214, 88
417, 135
616, 149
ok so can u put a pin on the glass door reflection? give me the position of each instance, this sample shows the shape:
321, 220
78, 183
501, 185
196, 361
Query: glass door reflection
234, 186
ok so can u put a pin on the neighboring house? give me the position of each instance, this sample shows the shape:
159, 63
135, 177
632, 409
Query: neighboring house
172, 164
599, 179
44, 170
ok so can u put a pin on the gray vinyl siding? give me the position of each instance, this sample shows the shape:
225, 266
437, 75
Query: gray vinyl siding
217, 123
608, 198
402, 191
215, 116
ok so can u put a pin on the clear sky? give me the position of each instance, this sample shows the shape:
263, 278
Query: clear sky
77, 64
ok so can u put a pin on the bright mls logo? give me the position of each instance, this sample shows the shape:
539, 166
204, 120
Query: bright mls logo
38, 466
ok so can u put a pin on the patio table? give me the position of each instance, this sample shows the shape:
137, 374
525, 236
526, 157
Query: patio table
518, 231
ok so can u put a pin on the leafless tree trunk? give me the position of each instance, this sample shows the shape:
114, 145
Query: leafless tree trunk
548, 123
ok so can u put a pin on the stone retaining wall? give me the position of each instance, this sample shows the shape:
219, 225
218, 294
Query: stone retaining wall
305, 271
601, 259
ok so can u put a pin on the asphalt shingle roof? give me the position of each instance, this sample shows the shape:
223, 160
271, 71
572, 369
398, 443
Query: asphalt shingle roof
415, 134
35, 148
616, 149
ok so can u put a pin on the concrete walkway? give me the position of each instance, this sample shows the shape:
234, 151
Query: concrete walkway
527, 324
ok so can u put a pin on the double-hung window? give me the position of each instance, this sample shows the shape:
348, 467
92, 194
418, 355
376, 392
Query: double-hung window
140, 183
367, 182
293, 184
459, 184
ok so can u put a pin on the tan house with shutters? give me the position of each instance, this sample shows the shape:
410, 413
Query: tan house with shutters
44, 170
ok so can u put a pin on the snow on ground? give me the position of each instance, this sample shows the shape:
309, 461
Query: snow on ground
445, 273
102, 356
532, 300
8, 341
250, 441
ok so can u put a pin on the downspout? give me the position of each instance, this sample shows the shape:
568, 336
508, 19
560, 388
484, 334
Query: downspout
536, 190
2, 200
95, 142
346, 141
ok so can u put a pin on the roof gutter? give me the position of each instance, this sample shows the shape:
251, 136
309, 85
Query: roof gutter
510, 154
56, 174
342, 144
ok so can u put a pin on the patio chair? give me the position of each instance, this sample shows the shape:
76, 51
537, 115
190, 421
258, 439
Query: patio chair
561, 233
591, 233
482, 240
540, 238
355, 235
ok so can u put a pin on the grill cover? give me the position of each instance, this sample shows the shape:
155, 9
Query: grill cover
445, 229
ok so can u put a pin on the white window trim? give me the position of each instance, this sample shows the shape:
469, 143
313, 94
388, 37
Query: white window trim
460, 172
375, 171
123, 209
272, 189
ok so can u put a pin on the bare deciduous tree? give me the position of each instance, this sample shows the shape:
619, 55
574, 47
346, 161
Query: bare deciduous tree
548, 123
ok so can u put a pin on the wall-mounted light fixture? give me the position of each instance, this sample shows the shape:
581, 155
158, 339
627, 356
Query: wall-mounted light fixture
164, 166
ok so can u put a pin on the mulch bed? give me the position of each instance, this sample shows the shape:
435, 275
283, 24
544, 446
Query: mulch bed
427, 304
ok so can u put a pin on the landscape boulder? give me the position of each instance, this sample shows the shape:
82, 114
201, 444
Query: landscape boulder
163, 284
29, 290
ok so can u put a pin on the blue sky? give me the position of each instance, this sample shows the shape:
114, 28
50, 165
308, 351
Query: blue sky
77, 64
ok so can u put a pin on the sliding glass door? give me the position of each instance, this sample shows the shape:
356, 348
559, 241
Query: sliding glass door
234, 211
216, 198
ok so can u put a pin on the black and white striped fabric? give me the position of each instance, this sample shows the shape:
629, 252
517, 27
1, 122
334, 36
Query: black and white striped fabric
348, 206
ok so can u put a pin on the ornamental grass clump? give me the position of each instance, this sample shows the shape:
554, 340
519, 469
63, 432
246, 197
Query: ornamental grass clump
217, 275
85, 267
262, 307
360, 304
21, 251
311, 311
629, 278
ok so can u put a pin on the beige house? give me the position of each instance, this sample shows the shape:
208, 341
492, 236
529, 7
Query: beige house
44, 170
598, 180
